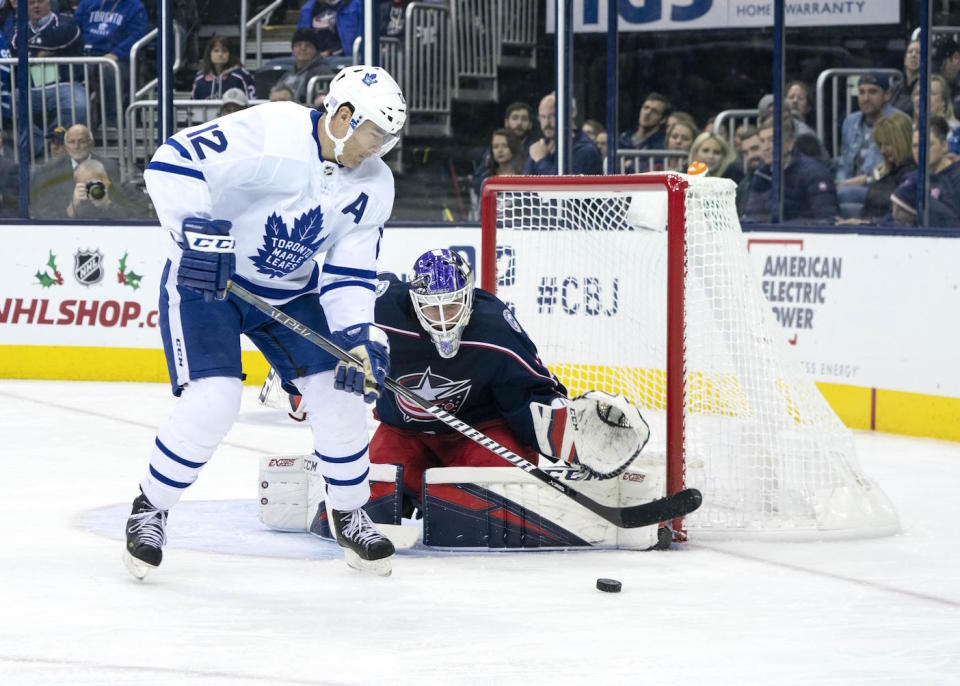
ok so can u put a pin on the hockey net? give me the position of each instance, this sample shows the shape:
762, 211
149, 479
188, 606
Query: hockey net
642, 285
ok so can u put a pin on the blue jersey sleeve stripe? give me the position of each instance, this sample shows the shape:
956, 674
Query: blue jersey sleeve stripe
341, 460
349, 271
175, 144
347, 482
344, 284
164, 480
176, 169
176, 458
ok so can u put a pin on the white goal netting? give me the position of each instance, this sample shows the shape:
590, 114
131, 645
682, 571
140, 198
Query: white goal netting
586, 271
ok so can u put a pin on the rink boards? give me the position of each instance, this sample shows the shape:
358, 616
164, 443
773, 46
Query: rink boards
873, 319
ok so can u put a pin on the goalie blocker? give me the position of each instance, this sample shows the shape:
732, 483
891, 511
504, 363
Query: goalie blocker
468, 507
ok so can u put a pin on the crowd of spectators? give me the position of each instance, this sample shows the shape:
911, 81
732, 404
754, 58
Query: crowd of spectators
865, 180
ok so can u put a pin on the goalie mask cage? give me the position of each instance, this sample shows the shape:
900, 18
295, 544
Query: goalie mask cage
642, 285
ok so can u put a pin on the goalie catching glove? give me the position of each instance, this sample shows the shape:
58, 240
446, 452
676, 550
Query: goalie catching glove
601, 433
370, 346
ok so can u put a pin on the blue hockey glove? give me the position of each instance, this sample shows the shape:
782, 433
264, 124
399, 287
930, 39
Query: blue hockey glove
370, 346
208, 259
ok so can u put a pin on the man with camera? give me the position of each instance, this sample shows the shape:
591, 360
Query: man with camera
53, 182
94, 196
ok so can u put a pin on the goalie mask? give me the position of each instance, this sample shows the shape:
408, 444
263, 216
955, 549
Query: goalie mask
376, 101
442, 293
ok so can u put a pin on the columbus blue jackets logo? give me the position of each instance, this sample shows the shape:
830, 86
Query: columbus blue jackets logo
445, 393
88, 266
285, 251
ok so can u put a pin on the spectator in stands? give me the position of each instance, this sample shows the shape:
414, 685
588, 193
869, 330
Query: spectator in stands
940, 104
715, 152
337, 23
233, 100
650, 133
799, 102
507, 158
220, 71
307, 62
946, 62
95, 196
680, 136
902, 99
859, 154
944, 187
751, 150
52, 35
281, 93
809, 194
591, 127
601, 143
51, 186
893, 135
9, 182
8, 18
110, 30
55, 140
518, 120
585, 156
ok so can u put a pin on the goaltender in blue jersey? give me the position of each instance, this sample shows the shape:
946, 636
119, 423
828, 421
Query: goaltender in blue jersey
462, 348
264, 197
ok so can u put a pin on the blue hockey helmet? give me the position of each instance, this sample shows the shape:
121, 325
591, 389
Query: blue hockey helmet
442, 292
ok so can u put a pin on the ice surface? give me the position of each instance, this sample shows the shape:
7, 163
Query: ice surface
285, 609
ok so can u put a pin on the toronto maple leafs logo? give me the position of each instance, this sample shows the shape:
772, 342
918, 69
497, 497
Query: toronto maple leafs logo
445, 393
285, 251
369, 79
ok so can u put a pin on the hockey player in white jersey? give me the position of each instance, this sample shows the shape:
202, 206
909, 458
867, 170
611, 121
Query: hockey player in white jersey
255, 197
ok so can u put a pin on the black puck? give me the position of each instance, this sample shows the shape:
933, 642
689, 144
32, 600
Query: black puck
608, 585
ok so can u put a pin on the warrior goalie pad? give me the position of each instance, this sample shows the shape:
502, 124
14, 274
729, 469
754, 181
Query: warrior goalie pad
504, 507
601, 433
292, 495
273, 394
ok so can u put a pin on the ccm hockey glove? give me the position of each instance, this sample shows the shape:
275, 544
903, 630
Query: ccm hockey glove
370, 346
208, 259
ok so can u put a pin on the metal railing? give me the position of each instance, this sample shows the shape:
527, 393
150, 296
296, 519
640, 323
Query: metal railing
315, 84
148, 38
391, 55
633, 161
141, 118
731, 119
50, 94
834, 76
428, 72
257, 22
517, 21
476, 49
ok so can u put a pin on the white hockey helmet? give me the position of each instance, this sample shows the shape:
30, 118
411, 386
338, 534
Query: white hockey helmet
373, 96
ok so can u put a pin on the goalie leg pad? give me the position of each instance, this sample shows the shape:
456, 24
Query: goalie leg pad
283, 493
503, 507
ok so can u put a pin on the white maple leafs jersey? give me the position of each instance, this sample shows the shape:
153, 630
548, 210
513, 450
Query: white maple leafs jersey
261, 169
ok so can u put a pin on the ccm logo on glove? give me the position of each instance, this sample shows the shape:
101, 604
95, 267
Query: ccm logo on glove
206, 243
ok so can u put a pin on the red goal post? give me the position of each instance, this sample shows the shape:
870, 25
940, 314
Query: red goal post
642, 285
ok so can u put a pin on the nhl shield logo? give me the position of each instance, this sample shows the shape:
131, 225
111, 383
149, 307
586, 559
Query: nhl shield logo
88, 266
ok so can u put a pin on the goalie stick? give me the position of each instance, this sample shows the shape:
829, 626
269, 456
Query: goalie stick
670, 507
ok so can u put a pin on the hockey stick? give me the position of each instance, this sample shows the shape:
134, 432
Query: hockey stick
662, 510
